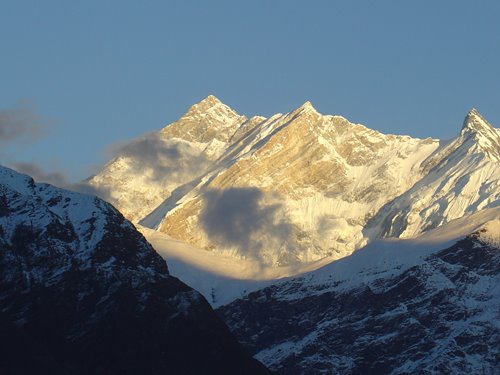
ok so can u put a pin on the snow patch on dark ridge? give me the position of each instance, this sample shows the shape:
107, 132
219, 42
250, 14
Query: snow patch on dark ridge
438, 316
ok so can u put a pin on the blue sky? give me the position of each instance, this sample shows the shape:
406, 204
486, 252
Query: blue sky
91, 73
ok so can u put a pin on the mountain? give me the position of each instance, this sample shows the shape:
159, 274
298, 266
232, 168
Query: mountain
149, 169
82, 292
462, 177
297, 187
429, 305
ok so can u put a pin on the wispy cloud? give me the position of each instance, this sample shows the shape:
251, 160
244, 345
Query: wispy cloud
39, 175
172, 159
59, 179
239, 217
21, 124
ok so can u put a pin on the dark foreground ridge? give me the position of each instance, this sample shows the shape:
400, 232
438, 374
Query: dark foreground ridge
82, 292
437, 317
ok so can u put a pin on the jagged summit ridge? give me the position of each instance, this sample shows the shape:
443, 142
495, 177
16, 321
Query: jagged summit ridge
474, 120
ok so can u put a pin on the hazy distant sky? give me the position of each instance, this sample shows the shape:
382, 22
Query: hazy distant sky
97, 72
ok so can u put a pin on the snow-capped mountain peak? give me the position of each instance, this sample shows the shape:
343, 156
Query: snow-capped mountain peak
307, 106
208, 102
483, 134
474, 121
306, 109
461, 177
211, 99
211, 107
206, 122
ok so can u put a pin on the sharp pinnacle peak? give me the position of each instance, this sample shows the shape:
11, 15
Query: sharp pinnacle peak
210, 99
473, 112
473, 117
474, 121
208, 104
306, 107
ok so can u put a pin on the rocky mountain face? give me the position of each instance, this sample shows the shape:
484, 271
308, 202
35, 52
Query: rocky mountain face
300, 186
403, 307
82, 292
461, 177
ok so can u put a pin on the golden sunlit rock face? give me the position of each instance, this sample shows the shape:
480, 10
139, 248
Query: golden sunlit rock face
305, 164
305, 185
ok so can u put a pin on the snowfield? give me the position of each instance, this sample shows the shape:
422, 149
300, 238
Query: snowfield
222, 279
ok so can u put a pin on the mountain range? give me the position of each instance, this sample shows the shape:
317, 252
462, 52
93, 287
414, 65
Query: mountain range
325, 246
297, 187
